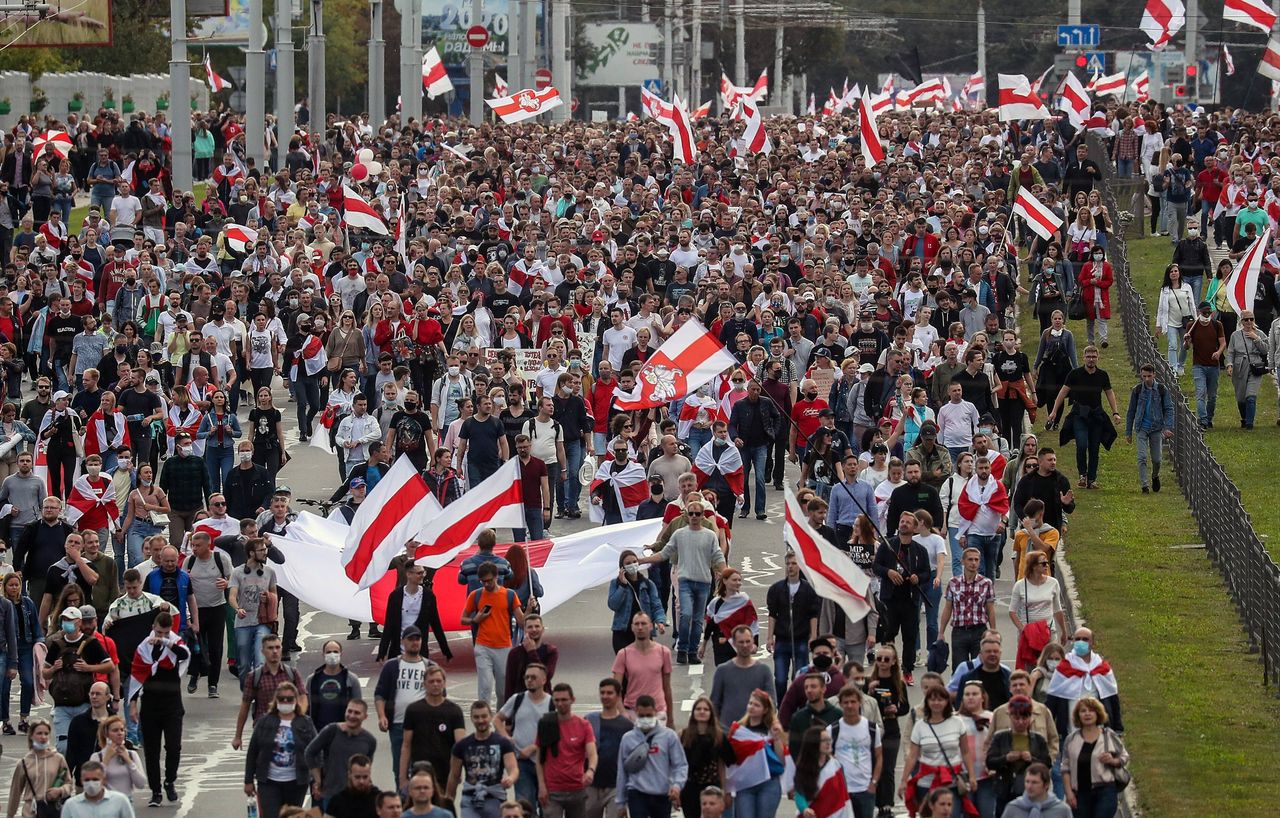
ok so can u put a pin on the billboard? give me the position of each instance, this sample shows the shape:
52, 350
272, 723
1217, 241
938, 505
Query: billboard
619, 53
231, 29
66, 23
445, 24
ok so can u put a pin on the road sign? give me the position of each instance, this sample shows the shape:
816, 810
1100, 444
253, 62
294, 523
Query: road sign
653, 86
573, 105
542, 79
477, 36
1095, 62
1084, 35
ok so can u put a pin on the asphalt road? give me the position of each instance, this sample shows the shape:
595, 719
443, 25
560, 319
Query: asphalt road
211, 774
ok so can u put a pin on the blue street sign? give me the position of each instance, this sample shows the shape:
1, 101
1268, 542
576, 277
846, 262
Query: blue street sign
1083, 35
1095, 62
653, 86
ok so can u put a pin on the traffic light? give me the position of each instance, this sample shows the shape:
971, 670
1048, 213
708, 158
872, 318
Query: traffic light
1180, 91
1191, 72
1081, 61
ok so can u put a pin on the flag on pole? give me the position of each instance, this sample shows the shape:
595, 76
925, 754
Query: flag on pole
398, 508
1162, 19
973, 86
359, 214
653, 105
1043, 221
1226, 58
1242, 286
216, 83
1018, 101
1109, 85
1035, 86
1269, 65
58, 142
435, 79
680, 128
760, 90
757, 141
1073, 100
872, 147
830, 571
525, 104
499, 85
702, 111
497, 502
688, 359
240, 238
1142, 87
1256, 13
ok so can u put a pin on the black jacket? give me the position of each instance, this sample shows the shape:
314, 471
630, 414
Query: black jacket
743, 417
257, 761
1047, 489
792, 616
389, 644
910, 561
913, 498
247, 490
1009, 775
1192, 257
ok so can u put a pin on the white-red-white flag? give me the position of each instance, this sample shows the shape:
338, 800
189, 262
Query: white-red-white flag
1269, 65
85, 498
973, 86
216, 83
435, 79
760, 90
702, 111
830, 571
1018, 101
1226, 59
728, 464
1256, 13
1109, 85
1242, 286
1142, 87
358, 213
653, 105
680, 128
869, 133
58, 142
392, 514
927, 92
688, 359
755, 138
1162, 19
832, 104
499, 85
1073, 99
1035, 86
1043, 221
497, 502
629, 485
239, 238
525, 104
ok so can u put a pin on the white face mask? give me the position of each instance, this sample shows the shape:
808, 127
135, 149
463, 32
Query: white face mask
333, 659
93, 789
453, 371
185, 450
93, 471
245, 457
647, 723
285, 709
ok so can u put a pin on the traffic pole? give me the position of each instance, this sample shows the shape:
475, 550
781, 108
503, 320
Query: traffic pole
377, 102
315, 74
255, 75
284, 79
475, 68
179, 94
410, 62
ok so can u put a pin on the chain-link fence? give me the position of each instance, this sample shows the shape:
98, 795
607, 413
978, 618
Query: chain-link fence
1251, 576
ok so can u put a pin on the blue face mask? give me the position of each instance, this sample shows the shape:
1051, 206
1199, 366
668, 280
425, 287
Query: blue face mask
1081, 648
69, 627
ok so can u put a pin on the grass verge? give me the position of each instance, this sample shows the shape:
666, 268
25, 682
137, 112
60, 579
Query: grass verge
1245, 455
78, 214
1165, 622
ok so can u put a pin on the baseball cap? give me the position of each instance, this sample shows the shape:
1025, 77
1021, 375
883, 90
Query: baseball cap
357, 483
822, 352
597, 236
71, 613
411, 632
283, 489
827, 413
865, 368
60, 395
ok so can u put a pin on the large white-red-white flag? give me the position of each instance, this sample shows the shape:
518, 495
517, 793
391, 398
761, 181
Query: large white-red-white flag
392, 514
1256, 13
1018, 101
1242, 286
653, 105
756, 140
728, 463
680, 128
497, 502
688, 359
1073, 99
1042, 221
830, 571
360, 214
1162, 19
1269, 65
216, 83
525, 104
240, 238
435, 79
1109, 85
869, 133
85, 498
628, 485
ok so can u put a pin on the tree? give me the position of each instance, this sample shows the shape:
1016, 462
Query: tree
346, 28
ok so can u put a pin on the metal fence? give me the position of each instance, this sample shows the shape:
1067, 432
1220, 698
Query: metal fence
1251, 576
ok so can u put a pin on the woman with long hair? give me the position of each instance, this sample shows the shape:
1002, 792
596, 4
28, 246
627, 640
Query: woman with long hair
342, 399
1092, 754
346, 343
1175, 313
937, 753
267, 435
1017, 389
29, 632
730, 608
1216, 294
815, 756
122, 767
1247, 365
1055, 357
524, 581
757, 789
631, 592
144, 501
707, 749
1035, 607
885, 685
856, 639
976, 713
950, 494
42, 775
219, 429
1042, 673
275, 765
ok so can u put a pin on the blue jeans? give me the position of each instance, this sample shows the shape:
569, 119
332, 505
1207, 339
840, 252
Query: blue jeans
249, 649
644, 805
1100, 802
955, 452
753, 458
1124, 168
103, 202
989, 546
697, 439
1206, 381
957, 553
1088, 442
533, 528
217, 460
1149, 450
788, 658
138, 531
760, 801
62, 716
569, 492
307, 393
1175, 352
26, 682
693, 609
1195, 283
395, 733
933, 601
863, 804
527, 782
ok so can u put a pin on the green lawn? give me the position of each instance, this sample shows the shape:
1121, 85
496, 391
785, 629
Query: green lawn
1244, 455
1199, 724
78, 214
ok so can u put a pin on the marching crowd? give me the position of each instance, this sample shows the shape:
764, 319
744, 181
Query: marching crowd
509, 300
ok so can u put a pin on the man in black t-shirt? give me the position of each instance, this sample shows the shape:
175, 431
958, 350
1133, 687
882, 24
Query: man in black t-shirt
482, 442
1088, 423
432, 726
483, 762
410, 432
140, 406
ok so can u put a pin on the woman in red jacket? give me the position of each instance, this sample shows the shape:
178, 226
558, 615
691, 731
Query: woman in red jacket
1096, 278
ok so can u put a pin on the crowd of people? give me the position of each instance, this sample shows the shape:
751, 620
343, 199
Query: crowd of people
877, 317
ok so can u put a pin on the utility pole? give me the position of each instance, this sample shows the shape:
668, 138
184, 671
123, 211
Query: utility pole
740, 42
315, 73
410, 61
255, 77
377, 104
179, 93
775, 93
982, 47
1073, 12
1192, 53
695, 54
668, 81
561, 65
475, 68
515, 29
530, 49
284, 79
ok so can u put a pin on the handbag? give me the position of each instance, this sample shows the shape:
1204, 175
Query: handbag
1121, 775
1257, 370
43, 808
1075, 307
958, 783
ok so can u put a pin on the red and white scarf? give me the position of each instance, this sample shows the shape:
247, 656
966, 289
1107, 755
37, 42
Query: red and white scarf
86, 498
982, 506
100, 439
731, 612
174, 654
630, 485
728, 463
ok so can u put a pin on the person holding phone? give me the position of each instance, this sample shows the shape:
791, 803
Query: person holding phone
489, 612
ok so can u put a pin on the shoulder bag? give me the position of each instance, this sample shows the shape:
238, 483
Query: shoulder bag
958, 782
43, 807
1121, 775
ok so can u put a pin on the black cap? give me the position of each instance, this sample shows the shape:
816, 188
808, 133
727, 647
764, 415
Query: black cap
1205, 305
826, 413
411, 632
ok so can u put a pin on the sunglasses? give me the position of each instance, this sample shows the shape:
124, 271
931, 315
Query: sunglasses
884, 660
285, 700
695, 514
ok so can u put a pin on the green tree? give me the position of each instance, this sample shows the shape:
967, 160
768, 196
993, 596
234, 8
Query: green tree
346, 58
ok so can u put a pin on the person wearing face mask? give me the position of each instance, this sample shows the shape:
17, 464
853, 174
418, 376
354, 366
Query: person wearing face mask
632, 592
1191, 255
652, 767
185, 481
42, 770
69, 669
157, 665
275, 767
60, 430
1082, 672
331, 688
1095, 279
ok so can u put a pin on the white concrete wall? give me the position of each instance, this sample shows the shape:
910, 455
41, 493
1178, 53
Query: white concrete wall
61, 88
